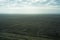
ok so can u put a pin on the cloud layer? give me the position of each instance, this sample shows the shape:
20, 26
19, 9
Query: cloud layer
22, 3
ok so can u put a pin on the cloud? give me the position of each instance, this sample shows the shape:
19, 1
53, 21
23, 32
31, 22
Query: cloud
29, 10
29, 6
54, 2
22, 3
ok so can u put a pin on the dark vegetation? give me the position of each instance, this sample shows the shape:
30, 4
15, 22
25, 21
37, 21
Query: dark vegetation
30, 27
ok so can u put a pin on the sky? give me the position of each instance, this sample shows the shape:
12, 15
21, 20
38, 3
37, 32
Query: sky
29, 6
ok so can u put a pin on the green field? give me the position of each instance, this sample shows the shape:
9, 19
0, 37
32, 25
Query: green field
29, 26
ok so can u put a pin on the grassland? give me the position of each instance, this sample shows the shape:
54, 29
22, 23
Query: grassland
29, 27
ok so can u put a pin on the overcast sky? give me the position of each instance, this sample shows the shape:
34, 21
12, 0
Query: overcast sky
29, 6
